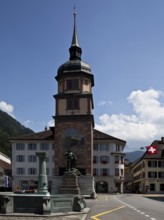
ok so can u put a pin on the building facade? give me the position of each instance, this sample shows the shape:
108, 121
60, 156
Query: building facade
25, 164
146, 175
98, 154
108, 160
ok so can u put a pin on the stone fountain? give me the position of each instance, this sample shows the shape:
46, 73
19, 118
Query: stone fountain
43, 202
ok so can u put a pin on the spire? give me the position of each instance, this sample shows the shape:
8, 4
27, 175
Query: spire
75, 50
74, 38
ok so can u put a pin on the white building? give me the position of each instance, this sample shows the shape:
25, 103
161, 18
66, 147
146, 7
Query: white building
108, 160
25, 164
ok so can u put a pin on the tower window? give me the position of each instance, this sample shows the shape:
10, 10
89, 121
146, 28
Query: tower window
72, 103
72, 84
85, 81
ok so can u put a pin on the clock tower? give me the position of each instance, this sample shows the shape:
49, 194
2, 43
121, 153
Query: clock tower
74, 121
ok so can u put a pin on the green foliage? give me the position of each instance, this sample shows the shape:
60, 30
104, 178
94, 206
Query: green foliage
9, 127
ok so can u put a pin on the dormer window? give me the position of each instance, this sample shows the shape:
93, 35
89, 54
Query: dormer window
72, 84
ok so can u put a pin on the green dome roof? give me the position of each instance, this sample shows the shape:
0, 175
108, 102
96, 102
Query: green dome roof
74, 66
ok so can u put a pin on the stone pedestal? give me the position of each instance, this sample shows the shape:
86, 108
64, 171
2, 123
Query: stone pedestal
85, 183
70, 184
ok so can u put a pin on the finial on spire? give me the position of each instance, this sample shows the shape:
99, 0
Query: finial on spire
74, 38
74, 10
75, 50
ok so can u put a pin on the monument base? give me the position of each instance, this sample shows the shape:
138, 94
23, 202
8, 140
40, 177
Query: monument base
86, 184
70, 184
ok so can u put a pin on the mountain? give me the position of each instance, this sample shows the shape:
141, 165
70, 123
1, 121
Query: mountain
132, 156
10, 127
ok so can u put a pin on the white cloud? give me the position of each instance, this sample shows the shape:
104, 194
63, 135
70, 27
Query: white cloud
28, 124
141, 128
8, 108
102, 103
51, 123
147, 105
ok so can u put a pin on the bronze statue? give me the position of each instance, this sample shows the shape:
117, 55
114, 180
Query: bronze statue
71, 160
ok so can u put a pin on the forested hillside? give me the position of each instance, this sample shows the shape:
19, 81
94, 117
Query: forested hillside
9, 127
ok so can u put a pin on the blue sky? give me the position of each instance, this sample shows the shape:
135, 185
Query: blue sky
122, 40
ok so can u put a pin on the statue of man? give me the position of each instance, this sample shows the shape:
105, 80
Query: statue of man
71, 159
